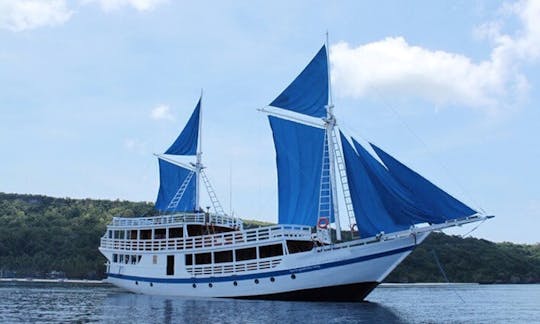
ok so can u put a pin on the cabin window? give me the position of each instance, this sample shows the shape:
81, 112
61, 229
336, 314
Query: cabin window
246, 254
189, 259
269, 251
159, 233
119, 234
146, 234
299, 246
176, 232
139, 258
223, 256
121, 258
110, 234
203, 258
126, 259
195, 230
132, 235
115, 258
133, 259
154, 259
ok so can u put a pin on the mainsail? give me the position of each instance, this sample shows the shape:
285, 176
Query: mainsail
299, 158
179, 182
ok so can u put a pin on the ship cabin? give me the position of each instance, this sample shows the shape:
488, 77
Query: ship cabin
199, 243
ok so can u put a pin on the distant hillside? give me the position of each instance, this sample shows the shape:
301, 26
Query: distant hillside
40, 234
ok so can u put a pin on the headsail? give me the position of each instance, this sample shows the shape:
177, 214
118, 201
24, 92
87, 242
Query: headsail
299, 155
308, 93
176, 188
187, 141
442, 205
370, 210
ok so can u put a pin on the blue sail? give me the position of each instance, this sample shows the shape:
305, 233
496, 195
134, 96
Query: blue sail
171, 179
397, 199
371, 213
187, 141
442, 205
308, 93
299, 154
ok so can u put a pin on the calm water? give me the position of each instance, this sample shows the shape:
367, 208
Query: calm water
34, 302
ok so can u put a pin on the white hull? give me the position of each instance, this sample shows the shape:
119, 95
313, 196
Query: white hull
297, 276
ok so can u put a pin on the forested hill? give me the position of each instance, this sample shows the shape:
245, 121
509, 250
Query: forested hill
40, 235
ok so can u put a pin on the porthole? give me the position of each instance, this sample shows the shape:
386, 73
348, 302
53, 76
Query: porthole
210, 285
151, 285
256, 281
293, 276
194, 285
137, 283
272, 279
235, 283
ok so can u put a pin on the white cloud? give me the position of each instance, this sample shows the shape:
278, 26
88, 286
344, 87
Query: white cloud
394, 67
19, 15
161, 112
139, 5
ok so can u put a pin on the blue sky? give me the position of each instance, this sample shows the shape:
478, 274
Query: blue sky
90, 89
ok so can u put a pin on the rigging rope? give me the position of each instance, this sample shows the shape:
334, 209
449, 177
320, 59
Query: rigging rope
444, 274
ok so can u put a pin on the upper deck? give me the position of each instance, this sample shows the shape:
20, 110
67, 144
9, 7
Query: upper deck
176, 219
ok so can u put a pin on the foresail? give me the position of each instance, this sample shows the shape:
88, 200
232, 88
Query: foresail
299, 155
187, 141
176, 188
308, 93
442, 205
372, 216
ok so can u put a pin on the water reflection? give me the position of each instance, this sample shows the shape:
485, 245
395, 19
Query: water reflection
143, 308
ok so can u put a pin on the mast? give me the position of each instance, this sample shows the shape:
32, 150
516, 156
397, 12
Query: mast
198, 163
330, 123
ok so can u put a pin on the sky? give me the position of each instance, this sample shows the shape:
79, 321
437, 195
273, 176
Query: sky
90, 89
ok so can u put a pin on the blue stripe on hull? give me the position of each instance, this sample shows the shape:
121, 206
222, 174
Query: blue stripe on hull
264, 274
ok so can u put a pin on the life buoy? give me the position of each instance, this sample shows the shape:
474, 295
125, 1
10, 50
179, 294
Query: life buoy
323, 222
354, 228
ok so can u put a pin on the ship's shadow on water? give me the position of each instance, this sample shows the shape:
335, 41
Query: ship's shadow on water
157, 309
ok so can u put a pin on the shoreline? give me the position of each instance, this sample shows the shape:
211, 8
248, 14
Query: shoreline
43, 280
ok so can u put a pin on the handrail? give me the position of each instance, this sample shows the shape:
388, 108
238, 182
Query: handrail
210, 241
411, 231
201, 218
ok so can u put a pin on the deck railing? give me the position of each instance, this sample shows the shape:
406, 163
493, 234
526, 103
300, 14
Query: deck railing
200, 218
227, 268
294, 232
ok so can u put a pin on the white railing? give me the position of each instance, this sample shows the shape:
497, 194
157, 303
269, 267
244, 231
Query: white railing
406, 233
211, 241
227, 268
200, 218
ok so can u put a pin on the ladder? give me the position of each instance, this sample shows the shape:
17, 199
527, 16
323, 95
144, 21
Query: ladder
178, 196
218, 209
325, 193
345, 186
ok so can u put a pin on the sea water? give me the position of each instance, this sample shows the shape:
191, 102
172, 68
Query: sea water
54, 302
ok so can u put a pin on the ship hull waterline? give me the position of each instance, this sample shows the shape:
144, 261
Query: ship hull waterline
340, 275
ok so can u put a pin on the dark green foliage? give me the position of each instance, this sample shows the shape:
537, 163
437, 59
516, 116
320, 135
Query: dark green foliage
470, 260
40, 234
